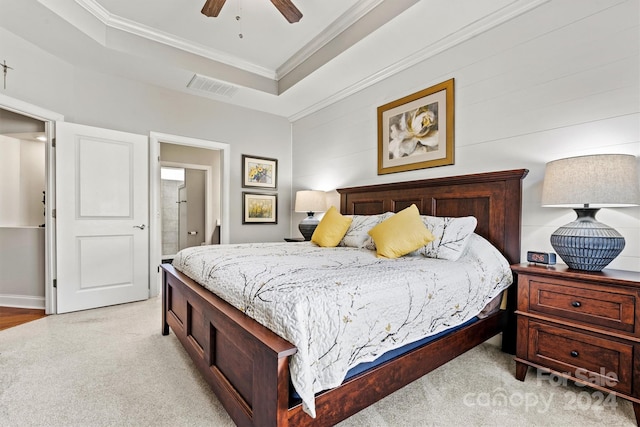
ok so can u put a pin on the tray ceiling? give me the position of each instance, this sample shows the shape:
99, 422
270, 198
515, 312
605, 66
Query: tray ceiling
338, 47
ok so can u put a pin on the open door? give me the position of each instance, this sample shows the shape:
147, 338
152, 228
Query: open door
102, 213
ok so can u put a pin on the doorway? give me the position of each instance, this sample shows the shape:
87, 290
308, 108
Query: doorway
53, 256
189, 153
49, 119
185, 199
37, 212
22, 213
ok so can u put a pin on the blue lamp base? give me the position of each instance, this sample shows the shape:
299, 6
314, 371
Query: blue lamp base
308, 225
587, 244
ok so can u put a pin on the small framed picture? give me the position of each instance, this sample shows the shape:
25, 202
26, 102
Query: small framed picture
259, 172
259, 208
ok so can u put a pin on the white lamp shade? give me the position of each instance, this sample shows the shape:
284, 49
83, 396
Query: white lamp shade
602, 180
310, 201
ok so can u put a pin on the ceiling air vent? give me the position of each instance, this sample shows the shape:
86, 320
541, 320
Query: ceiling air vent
216, 87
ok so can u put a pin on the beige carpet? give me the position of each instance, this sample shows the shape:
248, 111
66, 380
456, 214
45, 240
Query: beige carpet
112, 367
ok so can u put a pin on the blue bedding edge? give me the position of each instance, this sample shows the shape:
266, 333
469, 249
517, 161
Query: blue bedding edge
391, 354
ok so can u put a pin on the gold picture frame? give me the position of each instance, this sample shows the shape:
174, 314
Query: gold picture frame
416, 132
259, 172
259, 208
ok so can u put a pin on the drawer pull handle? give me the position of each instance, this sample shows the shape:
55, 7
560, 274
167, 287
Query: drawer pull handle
576, 304
574, 353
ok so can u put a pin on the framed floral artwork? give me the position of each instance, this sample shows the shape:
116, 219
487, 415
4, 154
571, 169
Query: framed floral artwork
259, 208
259, 172
416, 132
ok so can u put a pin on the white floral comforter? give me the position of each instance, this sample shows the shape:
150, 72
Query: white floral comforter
343, 306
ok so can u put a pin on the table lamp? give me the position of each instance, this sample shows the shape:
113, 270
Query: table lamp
309, 201
586, 184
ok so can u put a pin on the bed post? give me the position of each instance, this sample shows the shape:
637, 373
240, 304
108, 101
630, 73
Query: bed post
509, 331
271, 380
513, 228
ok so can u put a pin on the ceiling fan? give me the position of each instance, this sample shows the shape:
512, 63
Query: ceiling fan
286, 8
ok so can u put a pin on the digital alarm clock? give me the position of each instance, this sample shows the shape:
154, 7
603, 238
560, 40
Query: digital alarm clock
548, 258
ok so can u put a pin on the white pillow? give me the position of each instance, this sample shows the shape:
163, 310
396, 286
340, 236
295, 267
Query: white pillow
451, 236
357, 235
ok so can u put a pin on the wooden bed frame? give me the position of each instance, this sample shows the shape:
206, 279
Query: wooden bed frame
246, 364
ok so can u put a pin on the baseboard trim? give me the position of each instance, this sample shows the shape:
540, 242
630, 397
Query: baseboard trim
22, 301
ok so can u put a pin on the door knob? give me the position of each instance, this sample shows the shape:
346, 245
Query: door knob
141, 227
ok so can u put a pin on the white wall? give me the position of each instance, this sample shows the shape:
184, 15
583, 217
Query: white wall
32, 182
9, 181
101, 100
561, 80
22, 265
22, 168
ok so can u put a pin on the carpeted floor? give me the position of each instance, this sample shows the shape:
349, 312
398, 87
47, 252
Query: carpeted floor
112, 367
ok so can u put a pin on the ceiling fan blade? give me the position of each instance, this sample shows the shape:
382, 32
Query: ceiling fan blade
288, 10
212, 7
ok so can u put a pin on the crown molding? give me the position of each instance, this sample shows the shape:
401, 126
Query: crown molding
351, 16
132, 27
117, 22
472, 30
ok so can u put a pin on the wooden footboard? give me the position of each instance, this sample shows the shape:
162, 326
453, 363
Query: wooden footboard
246, 364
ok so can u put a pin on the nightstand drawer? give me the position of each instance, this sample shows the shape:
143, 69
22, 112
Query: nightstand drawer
607, 308
589, 357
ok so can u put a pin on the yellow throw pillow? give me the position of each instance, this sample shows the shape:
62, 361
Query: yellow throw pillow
400, 234
331, 229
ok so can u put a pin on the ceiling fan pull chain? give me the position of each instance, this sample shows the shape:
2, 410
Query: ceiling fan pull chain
239, 18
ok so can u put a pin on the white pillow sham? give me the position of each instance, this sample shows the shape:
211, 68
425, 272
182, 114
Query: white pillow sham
451, 236
357, 235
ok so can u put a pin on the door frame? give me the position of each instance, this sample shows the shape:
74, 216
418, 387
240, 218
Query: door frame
208, 170
49, 118
155, 231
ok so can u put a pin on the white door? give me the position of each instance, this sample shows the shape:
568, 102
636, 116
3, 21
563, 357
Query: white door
102, 203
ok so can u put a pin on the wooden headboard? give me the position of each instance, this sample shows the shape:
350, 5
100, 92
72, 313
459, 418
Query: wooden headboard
494, 198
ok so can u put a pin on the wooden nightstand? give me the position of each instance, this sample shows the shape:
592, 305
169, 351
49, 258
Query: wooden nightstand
581, 325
